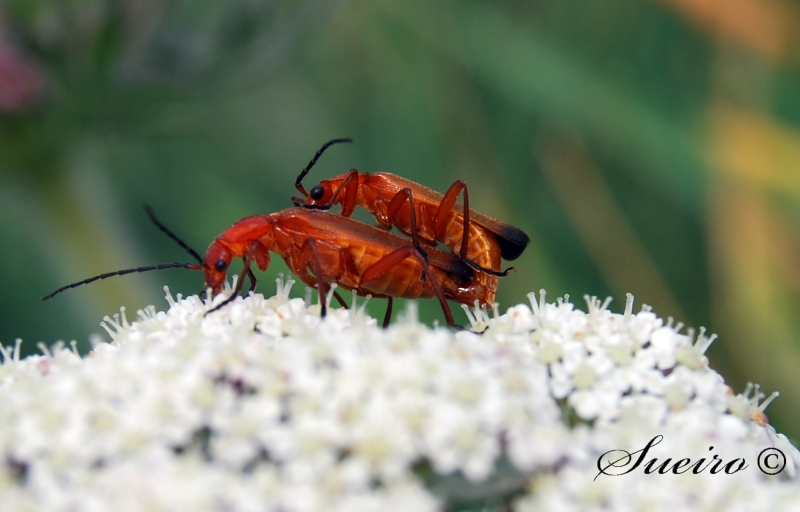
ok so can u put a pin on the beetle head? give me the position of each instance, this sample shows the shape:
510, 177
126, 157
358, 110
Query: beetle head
320, 195
216, 263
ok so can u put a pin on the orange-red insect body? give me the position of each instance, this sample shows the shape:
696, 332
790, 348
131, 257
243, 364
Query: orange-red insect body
343, 251
336, 249
438, 218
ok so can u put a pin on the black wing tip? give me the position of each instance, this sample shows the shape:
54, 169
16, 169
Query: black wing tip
512, 242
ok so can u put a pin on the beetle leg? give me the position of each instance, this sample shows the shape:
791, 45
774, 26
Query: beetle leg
253, 281
380, 211
248, 258
388, 316
385, 265
319, 254
309, 255
394, 207
446, 206
489, 271
349, 187
340, 300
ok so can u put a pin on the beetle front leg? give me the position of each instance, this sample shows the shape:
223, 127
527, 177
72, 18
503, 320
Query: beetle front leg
349, 190
245, 271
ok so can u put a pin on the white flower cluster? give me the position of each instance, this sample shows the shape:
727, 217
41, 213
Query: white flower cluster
264, 406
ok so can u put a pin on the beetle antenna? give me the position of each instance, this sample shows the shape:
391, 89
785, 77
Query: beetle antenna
190, 266
164, 229
313, 161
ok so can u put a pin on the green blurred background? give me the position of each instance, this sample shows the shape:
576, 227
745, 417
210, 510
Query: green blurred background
650, 147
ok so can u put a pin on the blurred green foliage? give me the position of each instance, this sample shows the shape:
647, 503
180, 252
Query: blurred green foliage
646, 147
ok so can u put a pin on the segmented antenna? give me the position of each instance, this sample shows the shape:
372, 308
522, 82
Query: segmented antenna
313, 161
172, 235
190, 266
162, 266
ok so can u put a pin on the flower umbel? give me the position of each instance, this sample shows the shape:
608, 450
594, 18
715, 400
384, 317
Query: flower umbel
262, 405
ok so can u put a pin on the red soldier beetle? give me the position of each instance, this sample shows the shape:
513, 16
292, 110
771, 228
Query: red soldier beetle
349, 253
346, 252
423, 214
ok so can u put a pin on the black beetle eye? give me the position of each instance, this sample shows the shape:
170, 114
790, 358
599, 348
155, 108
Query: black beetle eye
317, 192
221, 265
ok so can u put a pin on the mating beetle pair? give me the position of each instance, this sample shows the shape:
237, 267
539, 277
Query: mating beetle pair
363, 258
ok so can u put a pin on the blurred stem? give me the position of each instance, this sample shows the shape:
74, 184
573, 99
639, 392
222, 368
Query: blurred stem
748, 297
600, 223
540, 79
